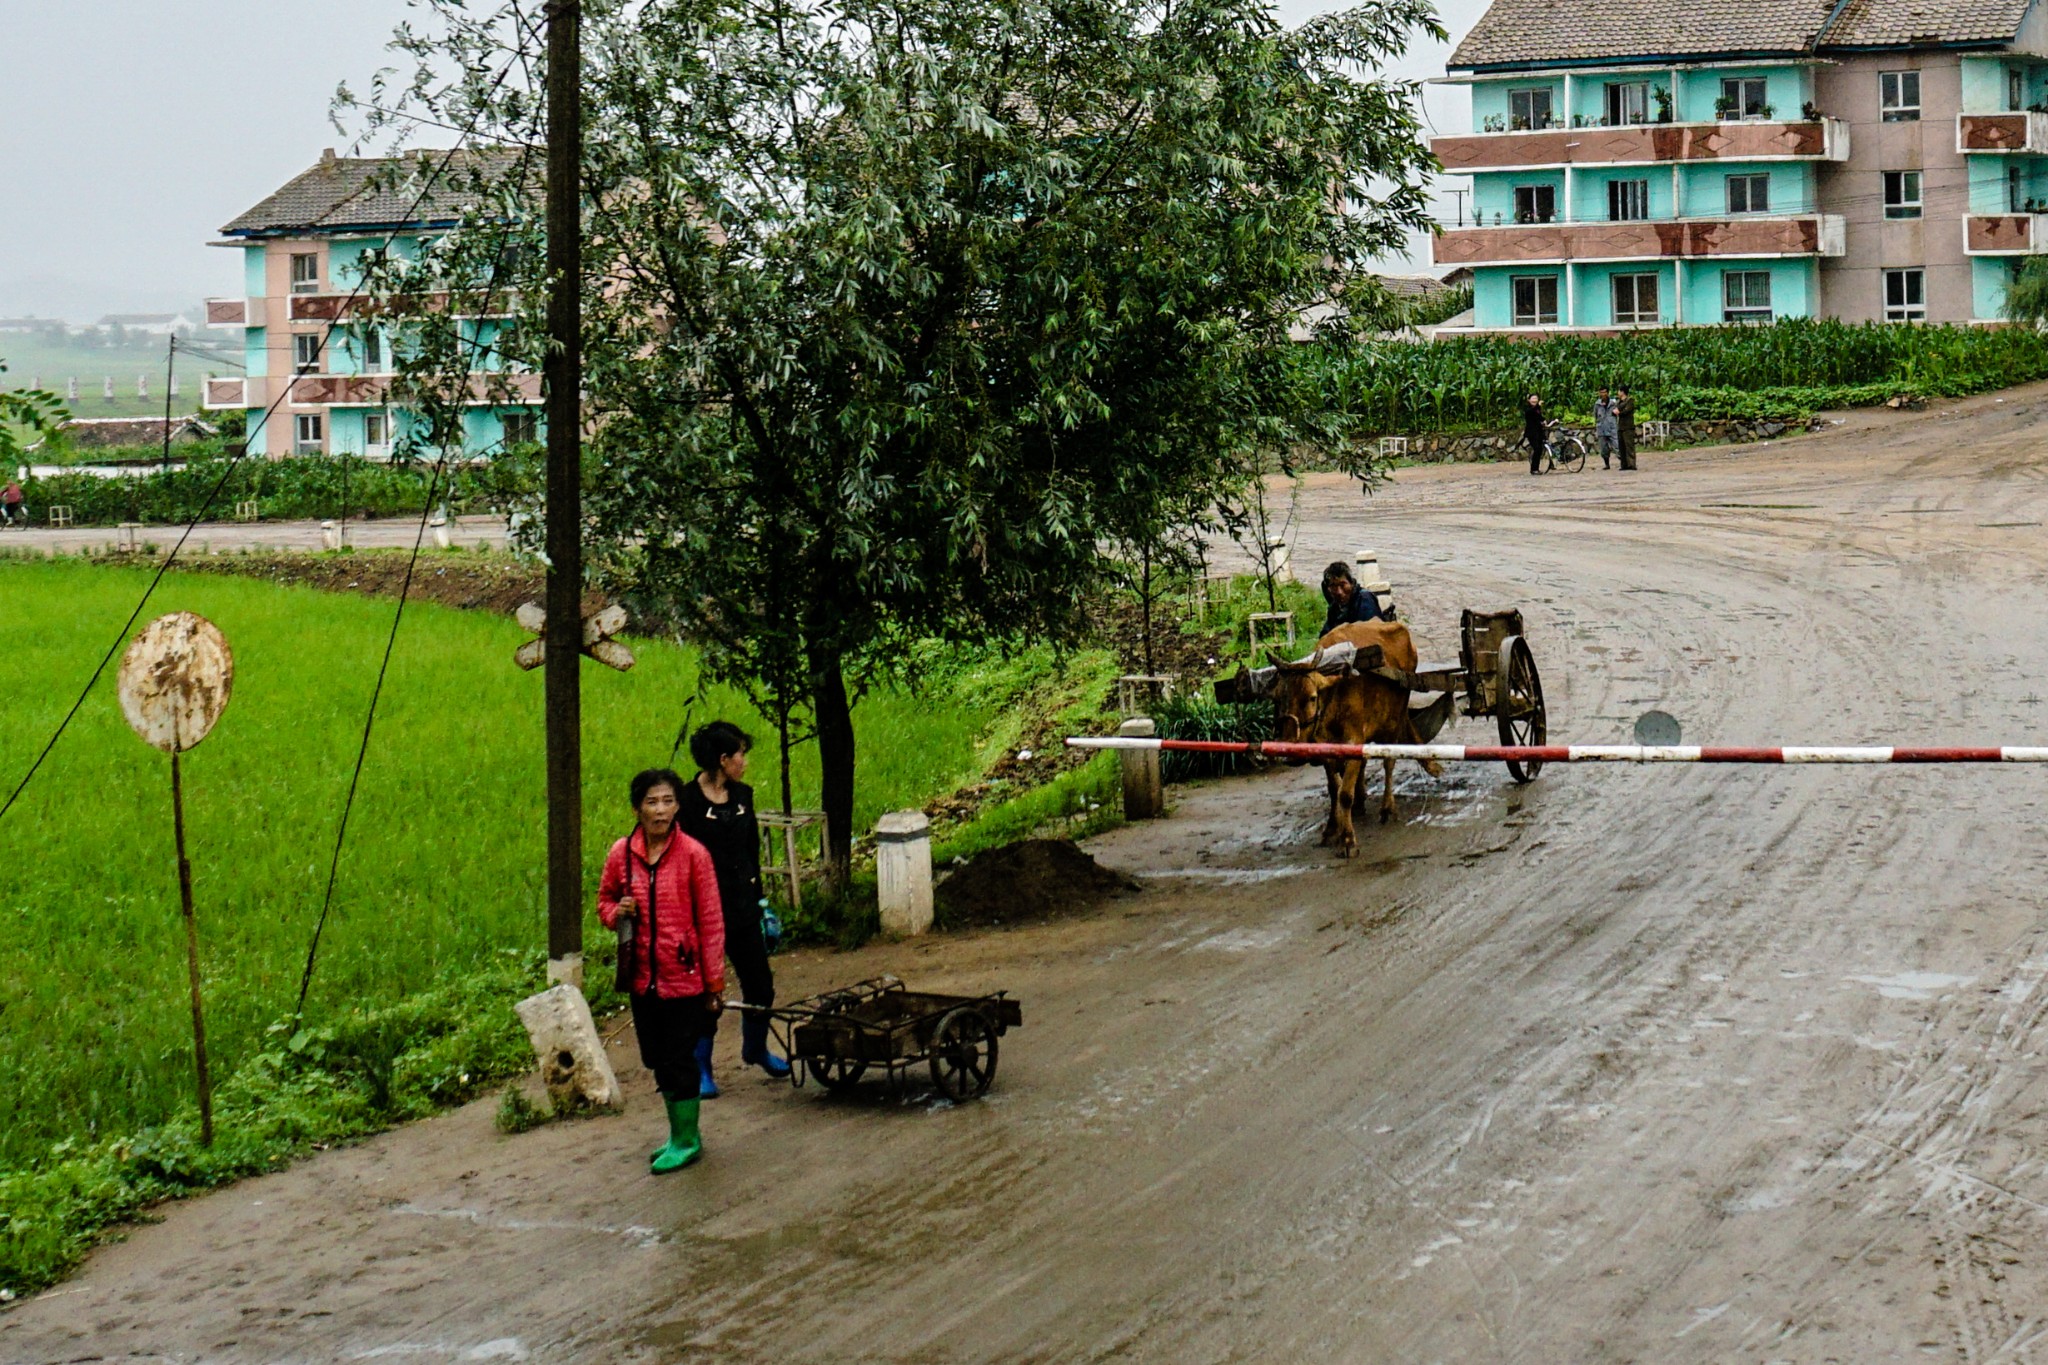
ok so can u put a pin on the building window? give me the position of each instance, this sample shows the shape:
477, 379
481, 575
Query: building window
1535, 203
1902, 194
1749, 194
1628, 200
2015, 190
1535, 300
1529, 109
1742, 97
373, 351
2015, 88
1745, 296
305, 272
1905, 296
1899, 95
377, 433
1627, 102
521, 428
1635, 299
307, 431
306, 352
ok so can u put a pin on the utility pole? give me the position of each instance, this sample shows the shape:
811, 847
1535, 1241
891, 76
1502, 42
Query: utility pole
562, 380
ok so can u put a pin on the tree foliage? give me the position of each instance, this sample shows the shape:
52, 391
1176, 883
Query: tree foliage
26, 416
2026, 298
904, 318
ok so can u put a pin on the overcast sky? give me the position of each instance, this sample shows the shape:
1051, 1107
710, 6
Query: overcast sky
130, 130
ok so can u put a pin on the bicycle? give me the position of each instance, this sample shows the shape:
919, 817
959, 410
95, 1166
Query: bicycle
1566, 450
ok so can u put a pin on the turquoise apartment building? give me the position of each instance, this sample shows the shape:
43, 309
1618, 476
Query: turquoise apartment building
1644, 164
318, 371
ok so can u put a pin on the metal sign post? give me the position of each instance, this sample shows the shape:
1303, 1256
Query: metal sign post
175, 682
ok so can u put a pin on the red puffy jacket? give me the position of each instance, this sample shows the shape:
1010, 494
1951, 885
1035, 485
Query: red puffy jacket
677, 910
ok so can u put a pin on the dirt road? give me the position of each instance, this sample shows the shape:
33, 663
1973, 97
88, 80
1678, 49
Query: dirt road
1678, 1064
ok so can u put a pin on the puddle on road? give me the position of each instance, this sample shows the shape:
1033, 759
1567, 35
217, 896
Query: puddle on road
1243, 940
1228, 876
1913, 985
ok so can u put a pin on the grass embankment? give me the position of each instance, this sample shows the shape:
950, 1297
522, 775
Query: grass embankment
440, 906
1783, 372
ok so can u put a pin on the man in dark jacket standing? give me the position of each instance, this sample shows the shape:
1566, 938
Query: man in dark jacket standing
1625, 426
1348, 602
1534, 432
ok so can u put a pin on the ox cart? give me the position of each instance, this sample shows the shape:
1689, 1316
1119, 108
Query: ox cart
1495, 676
836, 1037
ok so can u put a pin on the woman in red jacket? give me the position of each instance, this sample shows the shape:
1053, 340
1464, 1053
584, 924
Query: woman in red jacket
664, 880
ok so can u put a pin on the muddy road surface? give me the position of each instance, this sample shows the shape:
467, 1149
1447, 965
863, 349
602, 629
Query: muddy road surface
1672, 1064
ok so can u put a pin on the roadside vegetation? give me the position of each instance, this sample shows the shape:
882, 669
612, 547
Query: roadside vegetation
1680, 374
439, 910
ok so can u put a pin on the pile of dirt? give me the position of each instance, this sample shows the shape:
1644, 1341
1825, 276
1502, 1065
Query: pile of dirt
1035, 879
477, 582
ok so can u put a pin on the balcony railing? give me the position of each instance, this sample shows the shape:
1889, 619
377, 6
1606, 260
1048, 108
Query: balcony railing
375, 390
1802, 234
1824, 139
2005, 234
233, 313
2020, 131
338, 307
222, 394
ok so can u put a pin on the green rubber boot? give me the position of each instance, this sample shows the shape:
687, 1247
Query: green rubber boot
685, 1143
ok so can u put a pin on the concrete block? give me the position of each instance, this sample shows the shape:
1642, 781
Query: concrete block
903, 871
571, 1054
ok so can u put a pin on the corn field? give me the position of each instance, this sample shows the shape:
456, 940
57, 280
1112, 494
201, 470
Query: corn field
1399, 387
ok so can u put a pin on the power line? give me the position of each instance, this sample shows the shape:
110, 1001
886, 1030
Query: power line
390, 642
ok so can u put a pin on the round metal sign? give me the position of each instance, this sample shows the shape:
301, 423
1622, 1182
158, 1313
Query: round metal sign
175, 681
1655, 729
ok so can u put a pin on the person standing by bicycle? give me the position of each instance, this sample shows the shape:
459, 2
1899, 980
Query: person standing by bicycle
12, 513
1606, 428
1535, 432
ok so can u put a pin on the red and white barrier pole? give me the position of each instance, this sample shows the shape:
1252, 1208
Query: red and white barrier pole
1588, 753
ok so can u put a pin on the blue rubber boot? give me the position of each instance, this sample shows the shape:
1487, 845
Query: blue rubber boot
754, 1047
707, 1088
685, 1143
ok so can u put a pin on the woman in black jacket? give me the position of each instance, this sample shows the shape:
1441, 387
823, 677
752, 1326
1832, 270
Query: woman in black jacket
717, 810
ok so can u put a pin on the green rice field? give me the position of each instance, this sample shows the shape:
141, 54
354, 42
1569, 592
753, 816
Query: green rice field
443, 872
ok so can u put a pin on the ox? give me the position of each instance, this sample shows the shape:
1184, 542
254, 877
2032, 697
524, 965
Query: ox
1313, 707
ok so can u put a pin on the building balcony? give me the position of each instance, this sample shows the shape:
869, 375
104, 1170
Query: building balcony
223, 394
2005, 234
233, 313
1805, 234
1645, 144
377, 390
340, 307
2020, 131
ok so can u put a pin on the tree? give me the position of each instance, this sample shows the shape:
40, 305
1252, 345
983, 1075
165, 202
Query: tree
25, 413
2026, 298
902, 316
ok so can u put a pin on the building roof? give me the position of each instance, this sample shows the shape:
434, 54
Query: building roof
340, 193
1516, 33
1924, 23
1543, 32
140, 319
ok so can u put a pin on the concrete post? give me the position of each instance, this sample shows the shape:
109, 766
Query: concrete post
1144, 796
903, 870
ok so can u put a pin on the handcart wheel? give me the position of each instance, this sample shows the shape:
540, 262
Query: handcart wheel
836, 1074
963, 1054
1518, 699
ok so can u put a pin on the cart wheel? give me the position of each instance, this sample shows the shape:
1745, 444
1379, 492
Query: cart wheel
1519, 705
836, 1074
963, 1054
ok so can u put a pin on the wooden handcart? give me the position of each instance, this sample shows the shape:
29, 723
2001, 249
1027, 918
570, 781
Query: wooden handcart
838, 1037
